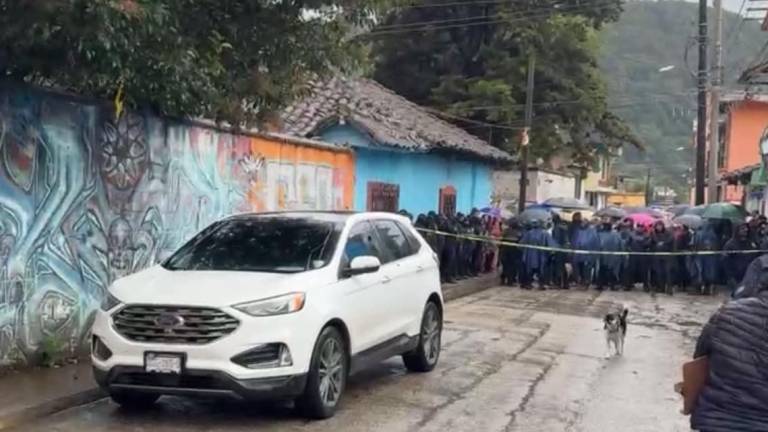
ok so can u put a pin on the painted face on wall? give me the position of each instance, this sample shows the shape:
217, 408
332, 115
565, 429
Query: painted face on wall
121, 248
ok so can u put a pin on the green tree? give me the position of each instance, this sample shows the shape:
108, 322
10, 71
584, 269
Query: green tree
471, 62
230, 60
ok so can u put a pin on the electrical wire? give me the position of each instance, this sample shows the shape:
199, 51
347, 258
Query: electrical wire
624, 102
556, 6
738, 27
453, 3
514, 18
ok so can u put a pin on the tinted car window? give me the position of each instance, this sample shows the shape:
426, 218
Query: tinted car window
393, 239
413, 242
361, 242
263, 244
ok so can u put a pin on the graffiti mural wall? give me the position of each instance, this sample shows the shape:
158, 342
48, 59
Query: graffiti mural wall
86, 198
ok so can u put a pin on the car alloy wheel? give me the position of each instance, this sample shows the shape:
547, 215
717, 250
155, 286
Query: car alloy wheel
424, 358
331, 371
431, 334
327, 376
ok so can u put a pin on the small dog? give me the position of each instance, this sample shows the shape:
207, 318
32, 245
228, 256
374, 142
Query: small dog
615, 326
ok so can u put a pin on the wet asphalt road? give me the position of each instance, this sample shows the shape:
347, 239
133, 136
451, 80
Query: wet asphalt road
512, 361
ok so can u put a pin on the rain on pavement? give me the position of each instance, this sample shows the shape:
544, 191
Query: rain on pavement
512, 361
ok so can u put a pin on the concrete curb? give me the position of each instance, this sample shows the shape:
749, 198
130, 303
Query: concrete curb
15, 419
469, 286
53, 406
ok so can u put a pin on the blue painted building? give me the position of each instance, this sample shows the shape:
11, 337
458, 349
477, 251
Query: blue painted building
405, 158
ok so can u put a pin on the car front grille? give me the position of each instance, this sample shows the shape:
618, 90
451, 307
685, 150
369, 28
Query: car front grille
173, 324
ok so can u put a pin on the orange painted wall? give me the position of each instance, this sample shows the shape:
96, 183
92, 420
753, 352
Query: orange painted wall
746, 123
295, 177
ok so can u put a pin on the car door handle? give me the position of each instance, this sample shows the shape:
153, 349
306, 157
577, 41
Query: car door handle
386, 280
419, 268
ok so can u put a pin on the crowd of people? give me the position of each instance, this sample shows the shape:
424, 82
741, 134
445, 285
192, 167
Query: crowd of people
607, 253
462, 251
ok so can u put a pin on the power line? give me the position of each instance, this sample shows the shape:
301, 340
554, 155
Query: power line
515, 18
652, 98
737, 30
453, 3
499, 15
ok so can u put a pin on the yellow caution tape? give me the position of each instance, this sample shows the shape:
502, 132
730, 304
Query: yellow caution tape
504, 242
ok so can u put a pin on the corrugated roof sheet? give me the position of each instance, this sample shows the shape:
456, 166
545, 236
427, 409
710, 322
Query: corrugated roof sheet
733, 176
388, 118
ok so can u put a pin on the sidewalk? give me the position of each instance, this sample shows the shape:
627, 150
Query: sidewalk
38, 392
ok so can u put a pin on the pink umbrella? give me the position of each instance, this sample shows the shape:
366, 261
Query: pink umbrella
643, 219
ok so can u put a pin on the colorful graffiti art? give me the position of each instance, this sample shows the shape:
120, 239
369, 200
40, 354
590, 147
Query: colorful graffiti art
86, 199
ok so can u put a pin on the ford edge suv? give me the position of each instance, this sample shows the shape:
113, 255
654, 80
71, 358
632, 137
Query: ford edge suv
272, 306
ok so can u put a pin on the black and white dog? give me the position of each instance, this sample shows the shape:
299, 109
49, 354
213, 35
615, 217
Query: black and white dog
615, 326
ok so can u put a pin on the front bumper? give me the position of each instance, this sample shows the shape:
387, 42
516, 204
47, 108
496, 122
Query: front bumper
294, 331
199, 383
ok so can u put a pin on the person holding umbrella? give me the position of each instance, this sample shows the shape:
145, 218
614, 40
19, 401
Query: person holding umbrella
735, 264
683, 242
511, 256
583, 237
637, 265
707, 266
609, 266
661, 241
559, 276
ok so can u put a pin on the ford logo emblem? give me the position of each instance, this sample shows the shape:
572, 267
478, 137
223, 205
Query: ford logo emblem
169, 321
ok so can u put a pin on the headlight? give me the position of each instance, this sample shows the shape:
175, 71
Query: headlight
280, 305
109, 302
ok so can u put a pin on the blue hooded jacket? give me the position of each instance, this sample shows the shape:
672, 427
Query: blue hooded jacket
611, 241
707, 265
535, 259
585, 238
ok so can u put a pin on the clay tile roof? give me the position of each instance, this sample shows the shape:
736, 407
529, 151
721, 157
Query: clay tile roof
388, 118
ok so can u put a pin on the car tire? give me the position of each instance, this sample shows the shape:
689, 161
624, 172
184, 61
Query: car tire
134, 400
327, 376
424, 358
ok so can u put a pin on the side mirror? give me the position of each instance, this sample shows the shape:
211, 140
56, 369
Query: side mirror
361, 265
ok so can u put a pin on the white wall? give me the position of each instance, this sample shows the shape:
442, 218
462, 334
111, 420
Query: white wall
544, 185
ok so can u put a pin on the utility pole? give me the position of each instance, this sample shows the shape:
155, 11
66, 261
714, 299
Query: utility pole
648, 193
701, 126
714, 122
526, 132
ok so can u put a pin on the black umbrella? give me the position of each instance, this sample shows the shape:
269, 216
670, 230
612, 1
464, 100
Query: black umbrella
612, 212
690, 220
565, 202
535, 215
678, 209
647, 210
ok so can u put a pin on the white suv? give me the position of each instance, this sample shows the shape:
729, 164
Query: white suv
272, 306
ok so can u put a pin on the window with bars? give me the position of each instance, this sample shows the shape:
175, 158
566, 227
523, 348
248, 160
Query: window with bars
447, 201
383, 197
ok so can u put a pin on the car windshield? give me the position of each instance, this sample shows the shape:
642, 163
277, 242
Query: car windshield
263, 244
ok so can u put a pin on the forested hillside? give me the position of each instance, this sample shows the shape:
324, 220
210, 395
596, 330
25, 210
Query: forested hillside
659, 102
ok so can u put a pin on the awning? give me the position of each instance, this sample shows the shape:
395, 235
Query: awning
758, 177
740, 176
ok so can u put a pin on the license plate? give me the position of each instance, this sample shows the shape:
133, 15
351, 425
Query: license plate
162, 363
